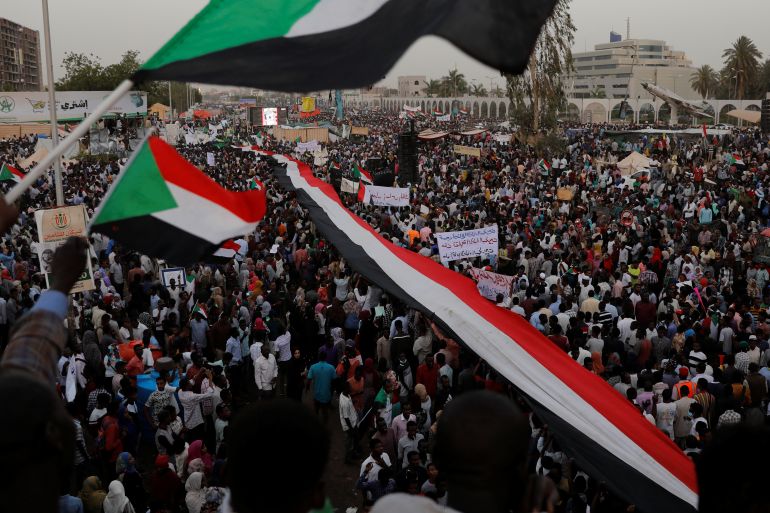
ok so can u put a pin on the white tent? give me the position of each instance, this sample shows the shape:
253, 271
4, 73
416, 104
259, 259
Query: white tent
634, 162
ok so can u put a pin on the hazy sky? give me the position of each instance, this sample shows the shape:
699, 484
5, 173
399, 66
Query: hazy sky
702, 28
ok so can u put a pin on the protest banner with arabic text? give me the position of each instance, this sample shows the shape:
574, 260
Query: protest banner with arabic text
481, 242
388, 196
491, 284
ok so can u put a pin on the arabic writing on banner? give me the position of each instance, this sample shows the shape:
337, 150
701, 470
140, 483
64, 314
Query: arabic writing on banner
312, 146
491, 284
468, 244
70, 105
467, 150
388, 196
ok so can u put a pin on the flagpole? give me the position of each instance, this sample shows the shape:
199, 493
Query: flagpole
56, 151
52, 105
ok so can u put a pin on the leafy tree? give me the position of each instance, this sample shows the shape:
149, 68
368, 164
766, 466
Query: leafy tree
454, 83
705, 81
742, 62
85, 72
538, 94
81, 73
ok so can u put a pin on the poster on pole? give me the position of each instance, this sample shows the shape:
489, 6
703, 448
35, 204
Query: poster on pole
388, 196
349, 186
54, 227
491, 284
32, 106
481, 242
467, 150
173, 273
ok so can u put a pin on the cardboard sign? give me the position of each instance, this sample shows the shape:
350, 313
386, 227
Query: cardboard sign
54, 227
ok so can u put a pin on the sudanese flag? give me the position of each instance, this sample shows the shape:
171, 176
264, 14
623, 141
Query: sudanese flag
310, 45
165, 207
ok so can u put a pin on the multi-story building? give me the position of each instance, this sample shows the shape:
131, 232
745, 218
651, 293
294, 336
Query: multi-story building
20, 64
617, 70
411, 85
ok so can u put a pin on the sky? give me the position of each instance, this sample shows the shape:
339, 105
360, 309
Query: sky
107, 28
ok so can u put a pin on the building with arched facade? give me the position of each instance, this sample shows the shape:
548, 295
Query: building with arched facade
586, 110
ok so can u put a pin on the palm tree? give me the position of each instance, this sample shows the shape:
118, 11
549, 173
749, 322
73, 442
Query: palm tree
742, 61
455, 82
762, 84
432, 87
478, 90
705, 81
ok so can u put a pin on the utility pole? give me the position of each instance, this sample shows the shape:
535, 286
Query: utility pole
52, 106
628, 28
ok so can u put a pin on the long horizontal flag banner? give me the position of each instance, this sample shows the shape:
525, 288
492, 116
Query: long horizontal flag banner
310, 45
594, 423
167, 208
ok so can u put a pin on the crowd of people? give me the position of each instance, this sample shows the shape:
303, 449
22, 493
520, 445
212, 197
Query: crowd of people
654, 285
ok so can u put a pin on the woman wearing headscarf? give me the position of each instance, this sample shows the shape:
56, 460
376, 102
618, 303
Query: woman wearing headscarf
92, 495
196, 492
199, 451
166, 490
125, 468
116, 500
295, 376
92, 353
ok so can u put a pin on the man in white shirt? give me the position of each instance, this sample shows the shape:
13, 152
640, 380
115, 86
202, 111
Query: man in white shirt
265, 373
349, 422
282, 346
408, 443
378, 458
191, 407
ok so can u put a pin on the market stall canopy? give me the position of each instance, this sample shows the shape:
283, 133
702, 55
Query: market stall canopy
475, 131
634, 162
751, 116
430, 134
159, 109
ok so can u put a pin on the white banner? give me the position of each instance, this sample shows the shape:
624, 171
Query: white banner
445, 118
210, 159
491, 284
303, 147
468, 244
388, 196
349, 186
412, 109
502, 138
70, 105
54, 227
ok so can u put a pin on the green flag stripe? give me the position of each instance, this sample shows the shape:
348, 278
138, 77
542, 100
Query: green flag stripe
225, 24
140, 190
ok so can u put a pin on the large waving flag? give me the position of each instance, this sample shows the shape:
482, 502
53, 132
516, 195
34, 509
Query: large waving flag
362, 174
309, 45
165, 207
10, 173
594, 424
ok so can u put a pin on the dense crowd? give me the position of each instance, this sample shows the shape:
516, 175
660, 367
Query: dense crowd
652, 283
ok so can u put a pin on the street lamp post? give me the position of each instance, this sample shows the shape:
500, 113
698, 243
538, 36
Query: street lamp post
52, 106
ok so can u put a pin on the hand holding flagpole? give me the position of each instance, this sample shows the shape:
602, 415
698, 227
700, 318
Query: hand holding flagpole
56, 152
